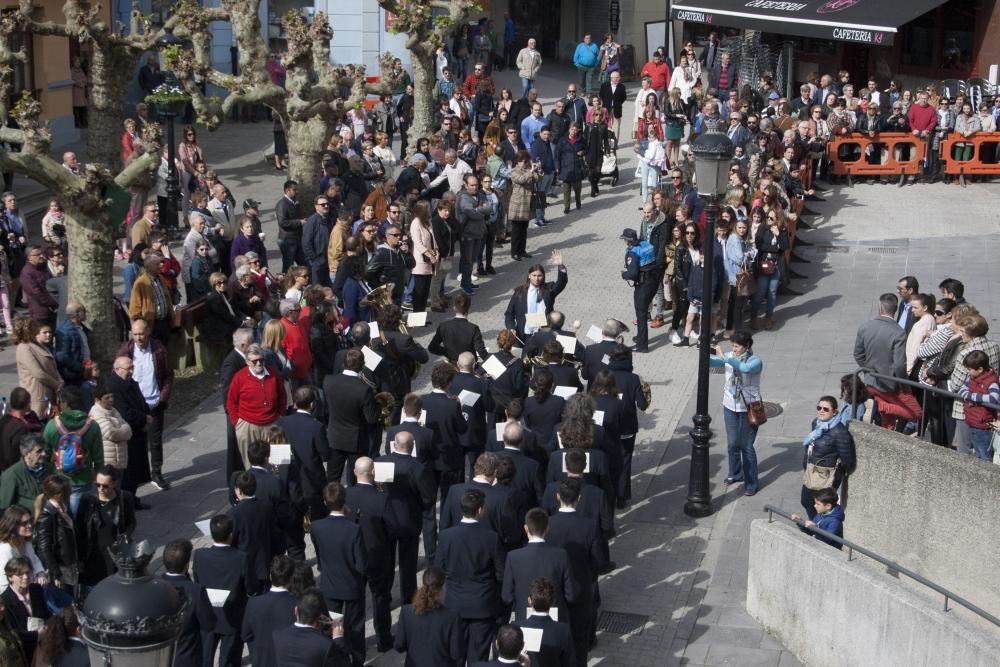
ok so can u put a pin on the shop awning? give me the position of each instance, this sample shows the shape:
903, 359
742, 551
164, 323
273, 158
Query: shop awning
872, 22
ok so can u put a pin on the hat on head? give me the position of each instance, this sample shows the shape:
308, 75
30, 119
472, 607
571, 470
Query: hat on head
774, 95
418, 156
250, 203
629, 234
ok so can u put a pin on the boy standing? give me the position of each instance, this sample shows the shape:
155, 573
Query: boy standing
829, 516
980, 391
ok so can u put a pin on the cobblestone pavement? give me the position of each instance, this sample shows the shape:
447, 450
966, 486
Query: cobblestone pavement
687, 576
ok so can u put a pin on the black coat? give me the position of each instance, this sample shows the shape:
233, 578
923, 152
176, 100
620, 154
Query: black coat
233, 362
12, 429
445, 419
596, 137
473, 559
223, 568
352, 410
342, 556
593, 359
543, 417
586, 547
54, 541
274, 609
527, 475
93, 540
570, 159
615, 100
499, 513
17, 615
556, 649
434, 638
128, 401
630, 391
535, 344
310, 450
200, 620
512, 384
564, 374
218, 322
409, 179
592, 504
600, 471
537, 559
423, 440
834, 447
614, 417
456, 336
256, 534
390, 266
411, 491
369, 508
306, 647
400, 355
474, 438
517, 307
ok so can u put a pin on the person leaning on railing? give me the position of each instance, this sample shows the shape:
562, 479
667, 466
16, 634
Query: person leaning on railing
972, 327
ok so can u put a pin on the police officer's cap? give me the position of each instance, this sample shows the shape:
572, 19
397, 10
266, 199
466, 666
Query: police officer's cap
630, 234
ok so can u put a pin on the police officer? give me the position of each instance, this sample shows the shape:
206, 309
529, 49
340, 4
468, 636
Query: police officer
640, 270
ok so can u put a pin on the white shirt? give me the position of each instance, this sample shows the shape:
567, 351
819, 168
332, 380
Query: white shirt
455, 173
533, 306
145, 374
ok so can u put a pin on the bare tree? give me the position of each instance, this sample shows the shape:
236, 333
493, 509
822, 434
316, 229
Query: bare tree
424, 36
86, 199
309, 106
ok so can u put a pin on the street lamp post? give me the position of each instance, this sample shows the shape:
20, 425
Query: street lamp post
169, 111
712, 152
132, 619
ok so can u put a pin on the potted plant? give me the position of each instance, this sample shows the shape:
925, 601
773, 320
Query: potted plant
170, 100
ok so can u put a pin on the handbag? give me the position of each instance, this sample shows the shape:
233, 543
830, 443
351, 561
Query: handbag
944, 363
817, 477
755, 411
745, 283
768, 267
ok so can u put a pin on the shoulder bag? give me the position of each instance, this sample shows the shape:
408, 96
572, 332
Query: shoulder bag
746, 285
817, 477
944, 363
755, 410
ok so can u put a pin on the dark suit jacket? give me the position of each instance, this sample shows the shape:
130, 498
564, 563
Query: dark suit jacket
557, 641
565, 375
512, 384
17, 615
445, 419
593, 356
223, 568
592, 505
613, 101
527, 475
340, 550
310, 450
352, 410
473, 558
500, 515
231, 363
474, 437
256, 534
586, 547
535, 344
274, 609
537, 559
295, 646
201, 619
423, 440
614, 416
599, 475
456, 336
517, 308
269, 489
403, 353
411, 491
543, 419
910, 318
434, 638
630, 391
370, 509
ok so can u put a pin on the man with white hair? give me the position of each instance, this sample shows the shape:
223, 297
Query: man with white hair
454, 171
198, 233
529, 62
71, 164
255, 400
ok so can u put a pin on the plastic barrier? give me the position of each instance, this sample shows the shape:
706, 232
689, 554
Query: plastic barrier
897, 153
984, 155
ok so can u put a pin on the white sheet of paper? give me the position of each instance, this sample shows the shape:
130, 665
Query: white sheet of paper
536, 319
586, 468
203, 527
280, 455
500, 427
517, 351
423, 418
594, 334
416, 319
372, 358
373, 330
564, 392
559, 440
217, 596
335, 617
606, 360
568, 343
35, 623
532, 639
599, 417
385, 471
467, 398
494, 367
553, 613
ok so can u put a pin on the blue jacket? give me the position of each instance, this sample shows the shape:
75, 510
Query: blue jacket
831, 522
543, 152
531, 126
353, 310
69, 351
585, 55
736, 249
570, 165
315, 237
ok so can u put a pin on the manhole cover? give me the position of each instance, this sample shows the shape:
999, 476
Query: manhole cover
772, 410
882, 250
620, 623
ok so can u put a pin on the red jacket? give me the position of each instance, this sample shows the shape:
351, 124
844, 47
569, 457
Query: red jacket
259, 401
922, 118
296, 346
978, 415
659, 74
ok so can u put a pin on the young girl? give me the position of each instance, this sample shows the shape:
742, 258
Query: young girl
651, 164
295, 281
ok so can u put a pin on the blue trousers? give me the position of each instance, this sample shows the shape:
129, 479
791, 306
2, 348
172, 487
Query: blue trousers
767, 287
981, 442
526, 85
740, 436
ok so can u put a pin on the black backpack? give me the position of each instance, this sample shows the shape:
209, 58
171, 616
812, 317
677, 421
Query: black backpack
943, 364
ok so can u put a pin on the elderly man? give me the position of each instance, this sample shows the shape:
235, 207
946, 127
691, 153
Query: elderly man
234, 362
151, 300
73, 346
71, 164
41, 306
586, 58
613, 96
296, 342
21, 483
197, 234
155, 375
529, 61
454, 171
473, 211
255, 400
131, 404
223, 215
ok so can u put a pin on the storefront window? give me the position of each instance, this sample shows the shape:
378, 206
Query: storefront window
940, 42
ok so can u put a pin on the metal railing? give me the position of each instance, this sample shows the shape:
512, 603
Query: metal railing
893, 567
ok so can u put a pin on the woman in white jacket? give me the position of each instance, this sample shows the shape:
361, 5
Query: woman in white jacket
684, 78
115, 431
651, 164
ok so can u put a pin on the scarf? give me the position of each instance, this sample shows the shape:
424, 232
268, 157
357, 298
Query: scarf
821, 428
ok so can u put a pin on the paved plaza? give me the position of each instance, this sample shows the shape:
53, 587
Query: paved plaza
686, 576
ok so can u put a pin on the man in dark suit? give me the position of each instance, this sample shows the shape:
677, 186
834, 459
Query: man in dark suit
201, 619
500, 514
632, 397
269, 488
537, 559
274, 609
613, 96
303, 643
403, 353
233, 362
223, 567
588, 551
592, 502
305, 476
556, 648
535, 344
360, 337
459, 334
509, 647
474, 439
369, 508
411, 493
423, 437
510, 146
446, 421
527, 478
564, 374
352, 410
598, 355
907, 288
473, 558
710, 53
542, 294
255, 530
340, 550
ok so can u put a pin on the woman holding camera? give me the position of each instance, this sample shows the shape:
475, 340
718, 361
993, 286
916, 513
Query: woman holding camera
742, 387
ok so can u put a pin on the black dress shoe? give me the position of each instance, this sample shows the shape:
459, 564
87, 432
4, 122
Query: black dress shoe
517, 258
490, 270
158, 481
526, 255
139, 505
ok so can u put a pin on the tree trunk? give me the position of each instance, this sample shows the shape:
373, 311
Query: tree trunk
91, 266
109, 74
423, 96
306, 142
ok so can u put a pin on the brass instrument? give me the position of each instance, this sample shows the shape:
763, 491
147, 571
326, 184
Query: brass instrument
386, 401
377, 299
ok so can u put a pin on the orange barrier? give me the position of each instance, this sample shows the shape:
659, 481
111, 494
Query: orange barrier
984, 154
849, 154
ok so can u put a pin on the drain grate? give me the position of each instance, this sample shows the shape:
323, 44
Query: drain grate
620, 623
882, 250
772, 410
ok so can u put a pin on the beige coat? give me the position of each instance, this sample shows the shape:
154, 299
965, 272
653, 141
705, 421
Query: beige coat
520, 199
115, 432
37, 372
423, 243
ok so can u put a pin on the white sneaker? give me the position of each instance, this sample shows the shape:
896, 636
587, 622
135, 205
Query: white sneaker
474, 277
674, 336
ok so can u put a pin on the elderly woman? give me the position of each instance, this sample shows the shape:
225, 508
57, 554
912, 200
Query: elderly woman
36, 364
115, 431
23, 600
221, 317
243, 294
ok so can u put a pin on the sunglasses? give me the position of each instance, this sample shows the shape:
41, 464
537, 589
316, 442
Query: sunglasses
393, 235
940, 313
823, 408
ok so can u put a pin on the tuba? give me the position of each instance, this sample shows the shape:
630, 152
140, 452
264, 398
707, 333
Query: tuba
386, 401
377, 299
